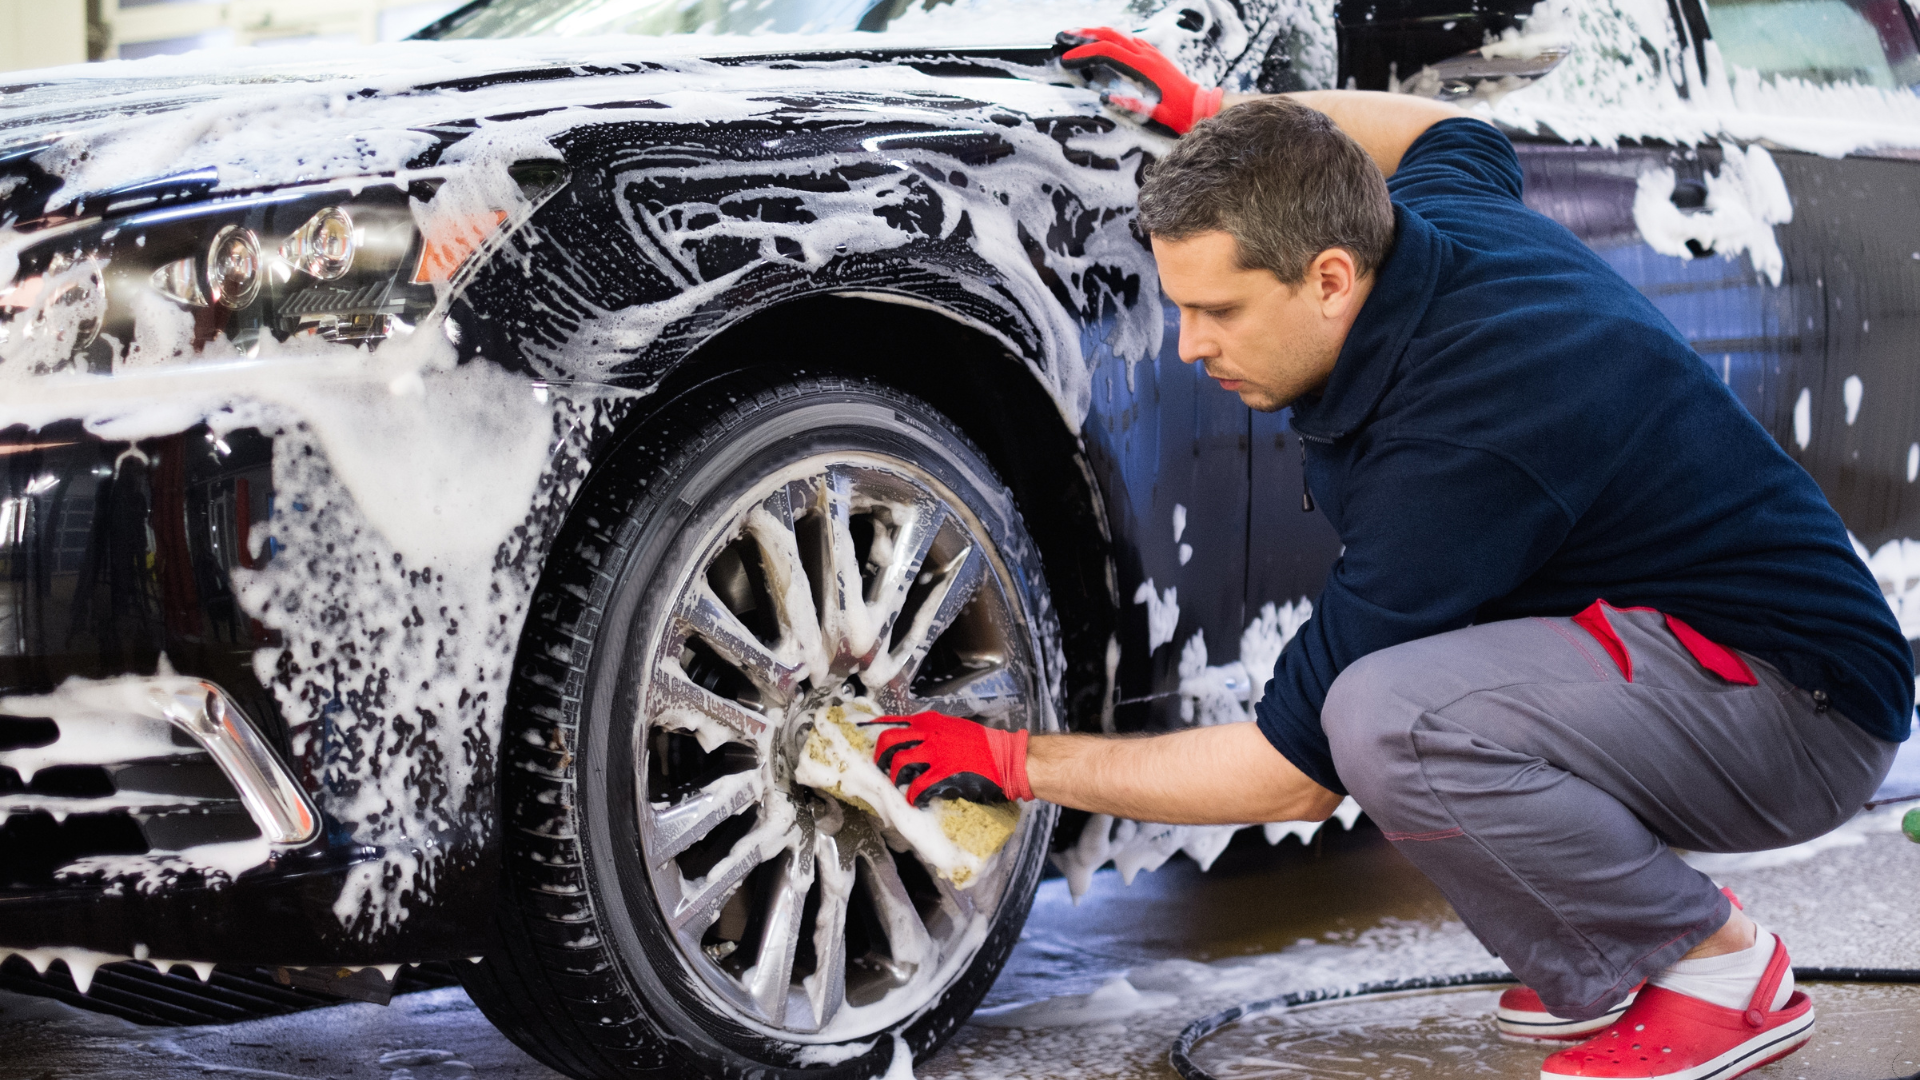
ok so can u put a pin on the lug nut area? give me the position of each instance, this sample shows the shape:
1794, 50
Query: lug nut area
806, 740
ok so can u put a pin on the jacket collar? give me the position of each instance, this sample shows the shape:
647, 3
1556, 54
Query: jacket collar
1370, 357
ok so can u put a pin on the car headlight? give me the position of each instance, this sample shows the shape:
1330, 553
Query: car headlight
345, 267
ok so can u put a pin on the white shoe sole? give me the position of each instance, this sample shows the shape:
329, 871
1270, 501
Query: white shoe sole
1755, 1052
1544, 1025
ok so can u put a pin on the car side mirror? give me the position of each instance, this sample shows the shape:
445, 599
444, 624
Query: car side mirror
1489, 72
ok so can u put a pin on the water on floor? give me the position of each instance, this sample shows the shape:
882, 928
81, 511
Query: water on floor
1863, 1031
1100, 990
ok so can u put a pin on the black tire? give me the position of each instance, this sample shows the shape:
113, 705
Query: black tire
588, 974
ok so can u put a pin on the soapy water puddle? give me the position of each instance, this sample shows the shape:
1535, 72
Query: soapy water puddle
1439, 1035
1864, 1032
1099, 990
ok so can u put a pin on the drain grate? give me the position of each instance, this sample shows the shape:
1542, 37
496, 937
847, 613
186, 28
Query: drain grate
135, 992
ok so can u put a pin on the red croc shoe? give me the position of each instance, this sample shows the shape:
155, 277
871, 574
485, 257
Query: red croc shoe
1675, 1037
1522, 1015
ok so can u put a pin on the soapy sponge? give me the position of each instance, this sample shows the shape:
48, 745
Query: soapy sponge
954, 837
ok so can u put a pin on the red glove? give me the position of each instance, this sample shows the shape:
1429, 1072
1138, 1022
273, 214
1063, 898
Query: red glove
1182, 102
947, 757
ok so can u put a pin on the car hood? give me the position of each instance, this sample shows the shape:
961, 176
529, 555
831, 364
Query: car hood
250, 119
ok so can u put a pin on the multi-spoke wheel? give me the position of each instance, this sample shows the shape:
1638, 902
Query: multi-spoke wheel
675, 897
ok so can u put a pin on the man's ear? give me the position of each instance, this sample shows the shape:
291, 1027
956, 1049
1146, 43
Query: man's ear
1333, 274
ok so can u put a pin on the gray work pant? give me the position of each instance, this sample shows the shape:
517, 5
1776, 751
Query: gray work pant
1521, 772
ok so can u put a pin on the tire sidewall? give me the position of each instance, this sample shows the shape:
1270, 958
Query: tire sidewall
659, 532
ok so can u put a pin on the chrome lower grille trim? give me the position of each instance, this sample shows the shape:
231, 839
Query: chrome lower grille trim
114, 722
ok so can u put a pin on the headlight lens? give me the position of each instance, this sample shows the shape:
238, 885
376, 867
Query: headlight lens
233, 268
324, 246
179, 281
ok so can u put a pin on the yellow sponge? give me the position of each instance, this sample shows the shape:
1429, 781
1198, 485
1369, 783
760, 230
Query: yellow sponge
954, 836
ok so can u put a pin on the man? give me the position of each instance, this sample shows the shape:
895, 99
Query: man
1587, 607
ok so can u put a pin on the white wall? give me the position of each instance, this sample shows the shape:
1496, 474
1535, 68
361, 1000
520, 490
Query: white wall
42, 33
180, 25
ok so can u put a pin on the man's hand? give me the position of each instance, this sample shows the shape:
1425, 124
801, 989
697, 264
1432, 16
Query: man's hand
1384, 125
947, 757
1098, 50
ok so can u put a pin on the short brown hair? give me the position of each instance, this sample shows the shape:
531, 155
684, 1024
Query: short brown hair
1279, 178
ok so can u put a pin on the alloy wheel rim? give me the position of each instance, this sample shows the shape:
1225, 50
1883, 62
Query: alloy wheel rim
843, 578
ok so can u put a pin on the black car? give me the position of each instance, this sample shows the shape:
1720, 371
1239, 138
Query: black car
442, 485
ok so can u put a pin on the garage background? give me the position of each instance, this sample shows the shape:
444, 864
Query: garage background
44, 33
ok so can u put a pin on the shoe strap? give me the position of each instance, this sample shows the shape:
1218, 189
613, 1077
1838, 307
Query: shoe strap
1762, 1002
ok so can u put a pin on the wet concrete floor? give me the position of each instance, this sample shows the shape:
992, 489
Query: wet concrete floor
1863, 1031
1099, 990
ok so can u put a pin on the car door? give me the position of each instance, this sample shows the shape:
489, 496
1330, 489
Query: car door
1169, 449
1849, 409
1809, 313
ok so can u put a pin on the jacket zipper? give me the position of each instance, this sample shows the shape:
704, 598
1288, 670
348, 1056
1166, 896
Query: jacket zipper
1306, 496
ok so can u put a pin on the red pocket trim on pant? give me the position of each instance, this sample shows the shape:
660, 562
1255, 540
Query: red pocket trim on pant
1711, 655
1594, 621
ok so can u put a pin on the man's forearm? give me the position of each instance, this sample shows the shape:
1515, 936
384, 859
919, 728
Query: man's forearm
1384, 125
1225, 775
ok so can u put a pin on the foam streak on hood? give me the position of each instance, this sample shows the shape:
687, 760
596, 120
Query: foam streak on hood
332, 126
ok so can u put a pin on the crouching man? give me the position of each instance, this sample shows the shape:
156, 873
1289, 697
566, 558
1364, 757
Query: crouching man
1587, 609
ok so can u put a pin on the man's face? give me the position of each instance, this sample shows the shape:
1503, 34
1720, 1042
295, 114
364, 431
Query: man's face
1264, 340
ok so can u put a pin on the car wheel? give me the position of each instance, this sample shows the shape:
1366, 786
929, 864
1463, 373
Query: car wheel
672, 899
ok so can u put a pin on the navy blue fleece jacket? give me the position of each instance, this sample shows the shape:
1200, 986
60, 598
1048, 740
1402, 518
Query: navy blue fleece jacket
1511, 429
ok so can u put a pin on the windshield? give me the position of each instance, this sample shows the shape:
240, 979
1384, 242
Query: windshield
958, 21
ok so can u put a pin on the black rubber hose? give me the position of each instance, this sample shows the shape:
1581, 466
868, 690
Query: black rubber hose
1182, 1054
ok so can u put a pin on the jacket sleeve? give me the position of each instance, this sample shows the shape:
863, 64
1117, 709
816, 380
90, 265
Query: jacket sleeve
1434, 529
1455, 158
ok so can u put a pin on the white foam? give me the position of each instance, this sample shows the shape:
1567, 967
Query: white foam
1514, 44
81, 963
1746, 198
901, 1065
1117, 1000
1853, 834
101, 721
216, 865
1217, 694
1209, 694
1163, 612
1896, 566
1623, 78
831, 1053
